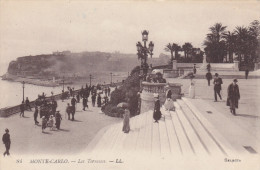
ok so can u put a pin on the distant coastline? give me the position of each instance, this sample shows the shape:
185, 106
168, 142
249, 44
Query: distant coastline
32, 80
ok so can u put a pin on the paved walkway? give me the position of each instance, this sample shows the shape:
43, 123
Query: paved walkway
72, 138
248, 113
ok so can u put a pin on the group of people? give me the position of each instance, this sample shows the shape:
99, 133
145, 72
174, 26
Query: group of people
157, 79
84, 94
233, 94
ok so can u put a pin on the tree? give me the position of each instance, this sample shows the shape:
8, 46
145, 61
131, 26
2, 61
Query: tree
187, 47
169, 48
173, 48
230, 40
215, 44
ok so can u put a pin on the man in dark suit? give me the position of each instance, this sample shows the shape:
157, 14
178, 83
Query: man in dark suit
233, 96
73, 107
208, 77
7, 141
217, 87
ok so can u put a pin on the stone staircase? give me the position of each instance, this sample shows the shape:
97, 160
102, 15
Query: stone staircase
181, 132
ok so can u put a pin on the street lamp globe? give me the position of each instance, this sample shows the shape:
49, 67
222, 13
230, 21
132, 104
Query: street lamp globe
145, 35
151, 45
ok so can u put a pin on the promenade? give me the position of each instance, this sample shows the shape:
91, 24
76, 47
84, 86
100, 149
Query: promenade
72, 138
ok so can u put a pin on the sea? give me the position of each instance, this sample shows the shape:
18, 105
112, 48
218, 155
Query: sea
11, 93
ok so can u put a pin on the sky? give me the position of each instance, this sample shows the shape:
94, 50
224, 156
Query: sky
41, 27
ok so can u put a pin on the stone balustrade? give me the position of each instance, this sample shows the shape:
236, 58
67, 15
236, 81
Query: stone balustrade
5, 112
147, 98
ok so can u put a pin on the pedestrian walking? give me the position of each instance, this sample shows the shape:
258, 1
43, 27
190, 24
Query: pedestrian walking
7, 142
157, 113
22, 107
58, 119
27, 104
194, 69
233, 96
246, 73
35, 115
93, 99
126, 121
108, 91
78, 98
217, 86
85, 103
208, 67
54, 105
99, 100
68, 111
208, 77
73, 107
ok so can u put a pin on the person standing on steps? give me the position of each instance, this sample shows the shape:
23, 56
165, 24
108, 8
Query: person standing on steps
7, 142
208, 67
194, 69
217, 87
168, 105
126, 121
208, 77
157, 113
233, 96
246, 73
192, 87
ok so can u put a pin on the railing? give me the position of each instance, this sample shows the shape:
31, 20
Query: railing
5, 112
163, 67
153, 87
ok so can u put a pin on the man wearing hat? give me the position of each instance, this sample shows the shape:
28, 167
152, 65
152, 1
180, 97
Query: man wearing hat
233, 96
7, 141
217, 86
156, 113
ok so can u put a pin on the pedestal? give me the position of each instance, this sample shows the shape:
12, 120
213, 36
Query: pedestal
174, 64
236, 65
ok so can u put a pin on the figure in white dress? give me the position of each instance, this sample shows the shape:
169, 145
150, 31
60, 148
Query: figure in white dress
168, 105
192, 87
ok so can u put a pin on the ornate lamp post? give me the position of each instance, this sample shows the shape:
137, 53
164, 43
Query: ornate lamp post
90, 77
63, 83
143, 51
111, 77
23, 90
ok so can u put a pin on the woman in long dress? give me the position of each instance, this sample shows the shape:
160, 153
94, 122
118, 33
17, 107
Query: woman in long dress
192, 87
126, 122
168, 105
157, 113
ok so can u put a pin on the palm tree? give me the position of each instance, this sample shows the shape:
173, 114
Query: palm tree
230, 40
242, 42
169, 48
177, 48
186, 48
173, 48
214, 43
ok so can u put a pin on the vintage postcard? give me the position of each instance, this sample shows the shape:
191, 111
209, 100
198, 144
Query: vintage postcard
129, 85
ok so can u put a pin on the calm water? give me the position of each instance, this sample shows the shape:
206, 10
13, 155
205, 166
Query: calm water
11, 93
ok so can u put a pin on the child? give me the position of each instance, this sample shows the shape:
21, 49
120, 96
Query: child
44, 123
51, 122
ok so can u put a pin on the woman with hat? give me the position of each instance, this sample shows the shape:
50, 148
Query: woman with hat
7, 141
192, 87
157, 113
233, 96
168, 105
58, 119
126, 121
